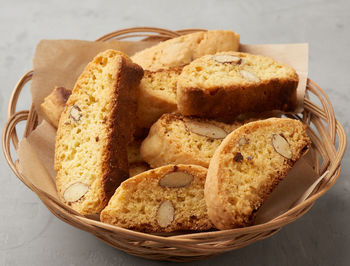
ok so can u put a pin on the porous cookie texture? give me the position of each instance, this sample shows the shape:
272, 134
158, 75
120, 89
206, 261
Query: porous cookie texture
248, 165
133, 151
165, 199
54, 104
136, 164
178, 139
182, 50
231, 83
94, 130
157, 95
138, 168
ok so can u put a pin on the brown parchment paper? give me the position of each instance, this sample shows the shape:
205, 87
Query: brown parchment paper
60, 62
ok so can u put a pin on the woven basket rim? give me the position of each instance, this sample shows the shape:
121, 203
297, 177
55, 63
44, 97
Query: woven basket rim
324, 140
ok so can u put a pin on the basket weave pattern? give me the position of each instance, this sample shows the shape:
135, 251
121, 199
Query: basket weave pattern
324, 130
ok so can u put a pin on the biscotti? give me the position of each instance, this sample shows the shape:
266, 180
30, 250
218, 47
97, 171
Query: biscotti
166, 199
94, 130
231, 83
133, 151
138, 168
182, 50
248, 165
136, 163
157, 95
54, 104
178, 139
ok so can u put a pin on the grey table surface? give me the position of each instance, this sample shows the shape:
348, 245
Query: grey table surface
31, 235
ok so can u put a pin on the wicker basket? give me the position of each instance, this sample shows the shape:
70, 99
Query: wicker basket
324, 130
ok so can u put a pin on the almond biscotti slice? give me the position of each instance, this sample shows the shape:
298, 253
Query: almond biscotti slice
248, 165
166, 199
231, 83
182, 50
54, 104
94, 129
178, 139
157, 95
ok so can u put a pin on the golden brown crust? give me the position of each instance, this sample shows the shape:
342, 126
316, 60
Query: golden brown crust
230, 207
54, 104
235, 100
122, 126
208, 88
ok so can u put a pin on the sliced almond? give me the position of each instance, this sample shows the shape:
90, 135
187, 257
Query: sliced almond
165, 213
227, 58
176, 180
249, 75
75, 192
75, 113
281, 146
206, 129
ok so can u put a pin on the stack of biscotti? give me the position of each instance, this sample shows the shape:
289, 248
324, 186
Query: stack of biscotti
200, 166
163, 64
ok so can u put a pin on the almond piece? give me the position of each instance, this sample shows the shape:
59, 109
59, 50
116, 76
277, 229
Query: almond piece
206, 129
75, 192
165, 213
281, 146
249, 75
242, 142
176, 180
75, 113
227, 58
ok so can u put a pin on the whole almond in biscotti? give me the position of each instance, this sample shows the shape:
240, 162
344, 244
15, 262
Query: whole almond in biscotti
227, 58
248, 165
94, 131
205, 129
164, 199
176, 179
75, 192
165, 213
228, 84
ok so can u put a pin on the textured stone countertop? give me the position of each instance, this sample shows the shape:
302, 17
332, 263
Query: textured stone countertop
31, 235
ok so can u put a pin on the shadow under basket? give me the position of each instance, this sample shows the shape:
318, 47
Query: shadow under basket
328, 144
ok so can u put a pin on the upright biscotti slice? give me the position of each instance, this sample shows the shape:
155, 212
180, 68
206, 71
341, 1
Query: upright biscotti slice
94, 129
54, 104
178, 139
231, 83
248, 165
166, 199
182, 50
157, 95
